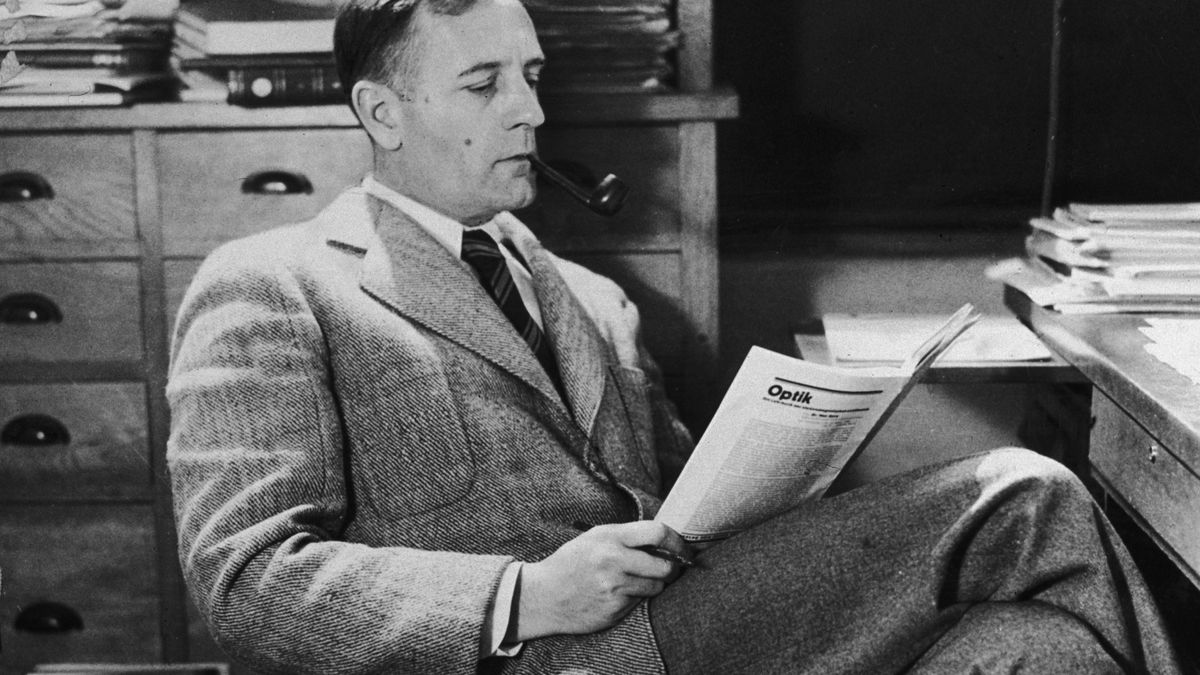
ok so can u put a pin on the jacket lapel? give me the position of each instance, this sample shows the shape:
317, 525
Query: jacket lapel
582, 355
408, 271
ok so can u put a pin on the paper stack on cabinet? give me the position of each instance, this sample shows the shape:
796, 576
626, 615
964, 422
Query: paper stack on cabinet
1100, 258
605, 45
57, 53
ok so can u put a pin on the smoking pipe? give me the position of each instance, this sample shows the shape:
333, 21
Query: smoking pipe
605, 199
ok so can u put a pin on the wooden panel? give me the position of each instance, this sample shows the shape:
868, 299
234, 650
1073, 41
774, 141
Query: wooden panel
645, 158
652, 282
578, 108
202, 173
179, 274
91, 177
1145, 474
106, 453
99, 307
98, 561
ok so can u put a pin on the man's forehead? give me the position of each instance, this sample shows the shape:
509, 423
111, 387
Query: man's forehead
496, 32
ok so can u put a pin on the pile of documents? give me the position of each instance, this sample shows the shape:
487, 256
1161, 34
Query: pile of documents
1175, 342
605, 45
256, 52
84, 52
1100, 258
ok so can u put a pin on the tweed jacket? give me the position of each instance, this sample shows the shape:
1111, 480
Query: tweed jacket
361, 443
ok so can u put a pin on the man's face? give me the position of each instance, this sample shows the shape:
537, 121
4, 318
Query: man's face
469, 110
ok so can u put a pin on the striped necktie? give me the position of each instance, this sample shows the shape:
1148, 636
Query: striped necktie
480, 251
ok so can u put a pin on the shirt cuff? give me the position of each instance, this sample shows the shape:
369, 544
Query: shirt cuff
496, 624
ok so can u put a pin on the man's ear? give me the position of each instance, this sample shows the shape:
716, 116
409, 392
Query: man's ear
378, 108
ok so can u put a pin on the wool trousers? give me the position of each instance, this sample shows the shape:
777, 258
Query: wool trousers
994, 563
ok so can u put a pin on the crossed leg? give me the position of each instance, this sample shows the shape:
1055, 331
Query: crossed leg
1005, 550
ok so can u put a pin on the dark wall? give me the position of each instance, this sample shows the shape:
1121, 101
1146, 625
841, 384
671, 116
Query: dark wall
1131, 101
860, 112
883, 112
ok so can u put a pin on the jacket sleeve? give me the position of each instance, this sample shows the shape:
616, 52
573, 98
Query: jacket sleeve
257, 463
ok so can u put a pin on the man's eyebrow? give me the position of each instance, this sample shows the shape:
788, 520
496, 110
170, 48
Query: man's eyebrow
489, 66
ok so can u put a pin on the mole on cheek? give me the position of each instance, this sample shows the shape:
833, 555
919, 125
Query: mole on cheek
467, 142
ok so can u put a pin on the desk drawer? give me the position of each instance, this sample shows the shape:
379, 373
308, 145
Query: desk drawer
646, 158
72, 187
204, 175
69, 312
96, 565
1144, 473
73, 441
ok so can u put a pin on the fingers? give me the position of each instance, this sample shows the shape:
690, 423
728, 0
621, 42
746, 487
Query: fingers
653, 533
659, 544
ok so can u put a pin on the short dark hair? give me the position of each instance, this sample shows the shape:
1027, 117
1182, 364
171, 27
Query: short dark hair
371, 37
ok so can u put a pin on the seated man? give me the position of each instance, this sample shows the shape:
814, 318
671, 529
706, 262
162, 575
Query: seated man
406, 438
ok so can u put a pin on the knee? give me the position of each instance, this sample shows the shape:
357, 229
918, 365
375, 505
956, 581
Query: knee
1008, 469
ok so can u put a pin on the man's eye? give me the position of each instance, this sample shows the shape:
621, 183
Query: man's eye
532, 82
484, 88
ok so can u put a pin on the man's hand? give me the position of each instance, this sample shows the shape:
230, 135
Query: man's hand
594, 580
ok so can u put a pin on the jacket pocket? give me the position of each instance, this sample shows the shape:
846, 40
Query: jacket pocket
409, 454
633, 389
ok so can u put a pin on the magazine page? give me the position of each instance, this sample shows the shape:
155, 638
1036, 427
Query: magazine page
785, 430
780, 436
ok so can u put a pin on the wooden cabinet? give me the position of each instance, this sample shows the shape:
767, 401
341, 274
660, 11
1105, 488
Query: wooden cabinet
1150, 478
105, 216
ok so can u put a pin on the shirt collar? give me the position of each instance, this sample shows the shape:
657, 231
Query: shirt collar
447, 231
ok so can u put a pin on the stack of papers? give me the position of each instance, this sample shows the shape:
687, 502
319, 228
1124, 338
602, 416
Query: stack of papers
1135, 256
885, 339
84, 52
1175, 342
605, 45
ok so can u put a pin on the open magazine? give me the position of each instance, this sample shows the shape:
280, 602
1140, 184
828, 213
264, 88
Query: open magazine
783, 433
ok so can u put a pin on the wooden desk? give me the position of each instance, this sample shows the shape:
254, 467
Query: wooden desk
1145, 438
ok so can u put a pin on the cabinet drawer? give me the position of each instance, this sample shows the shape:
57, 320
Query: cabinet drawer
96, 565
66, 187
646, 158
69, 312
204, 178
73, 441
1144, 473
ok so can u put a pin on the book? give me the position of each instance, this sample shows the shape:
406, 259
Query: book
784, 431
255, 26
307, 85
187, 57
118, 59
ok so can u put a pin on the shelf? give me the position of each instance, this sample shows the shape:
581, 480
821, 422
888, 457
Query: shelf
561, 108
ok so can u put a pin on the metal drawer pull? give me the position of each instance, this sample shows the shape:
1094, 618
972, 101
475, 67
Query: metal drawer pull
48, 617
35, 430
24, 186
28, 308
277, 183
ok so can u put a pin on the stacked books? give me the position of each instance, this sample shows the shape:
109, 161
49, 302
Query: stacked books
256, 52
605, 45
84, 52
1118, 257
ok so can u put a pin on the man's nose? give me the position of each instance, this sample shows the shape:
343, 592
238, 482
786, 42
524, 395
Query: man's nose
524, 109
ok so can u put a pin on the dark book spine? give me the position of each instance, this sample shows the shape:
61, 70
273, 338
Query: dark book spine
284, 86
120, 61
